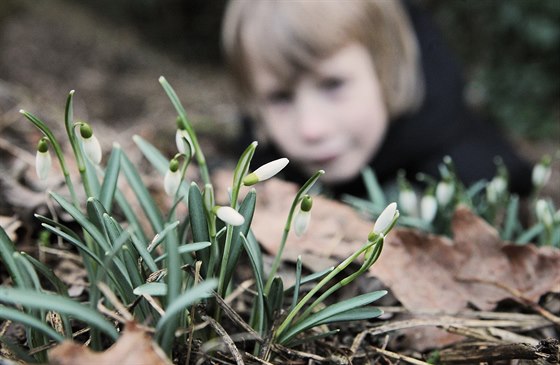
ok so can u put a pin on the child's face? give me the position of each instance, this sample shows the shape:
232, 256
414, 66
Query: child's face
332, 118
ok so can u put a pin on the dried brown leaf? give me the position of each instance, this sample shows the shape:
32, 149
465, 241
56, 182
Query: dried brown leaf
134, 347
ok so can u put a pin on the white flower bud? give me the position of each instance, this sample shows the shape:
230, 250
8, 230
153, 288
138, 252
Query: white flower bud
444, 192
229, 215
43, 163
495, 189
171, 182
428, 208
303, 217
265, 172
541, 175
182, 139
385, 219
91, 145
408, 202
301, 222
172, 178
543, 212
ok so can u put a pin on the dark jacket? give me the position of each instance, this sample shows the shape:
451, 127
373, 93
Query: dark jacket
442, 126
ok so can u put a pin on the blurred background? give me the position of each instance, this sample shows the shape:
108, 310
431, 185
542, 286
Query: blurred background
112, 52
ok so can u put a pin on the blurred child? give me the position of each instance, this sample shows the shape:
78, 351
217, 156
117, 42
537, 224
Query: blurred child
340, 85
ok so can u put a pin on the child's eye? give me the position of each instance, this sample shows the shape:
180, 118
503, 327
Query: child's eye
331, 83
280, 97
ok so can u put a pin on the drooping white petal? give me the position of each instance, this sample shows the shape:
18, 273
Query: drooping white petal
92, 149
428, 208
495, 189
540, 175
266, 171
408, 202
181, 140
43, 163
385, 219
543, 212
444, 192
301, 222
171, 182
230, 216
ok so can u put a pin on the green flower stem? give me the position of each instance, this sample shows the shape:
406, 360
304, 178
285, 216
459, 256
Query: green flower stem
199, 156
343, 265
377, 247
57, 150
300, 194
239, 173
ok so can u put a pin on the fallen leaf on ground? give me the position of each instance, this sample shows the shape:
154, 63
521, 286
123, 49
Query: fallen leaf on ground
134, 347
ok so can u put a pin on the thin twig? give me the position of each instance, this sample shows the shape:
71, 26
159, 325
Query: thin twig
225, 337
399, 357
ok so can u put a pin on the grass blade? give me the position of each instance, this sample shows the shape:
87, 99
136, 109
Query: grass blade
109, 185
38, 300
30, 321
142, 194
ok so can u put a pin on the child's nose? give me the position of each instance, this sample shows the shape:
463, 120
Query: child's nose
311, 121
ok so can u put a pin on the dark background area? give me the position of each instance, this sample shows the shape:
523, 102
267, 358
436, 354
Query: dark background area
510, 49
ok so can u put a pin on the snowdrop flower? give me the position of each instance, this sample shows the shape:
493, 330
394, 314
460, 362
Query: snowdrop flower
496, 188
408, 202
541, 172
229, 215
384, 222
301, 221
92, 148
428, 208
182, 139
43, 160
544, 213
172, 178
265, 172
444, 192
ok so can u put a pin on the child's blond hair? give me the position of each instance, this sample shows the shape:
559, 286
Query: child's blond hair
290, 37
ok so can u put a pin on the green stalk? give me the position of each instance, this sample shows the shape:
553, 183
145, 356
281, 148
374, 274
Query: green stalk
200, 159
238, 174
343, 265
300, 194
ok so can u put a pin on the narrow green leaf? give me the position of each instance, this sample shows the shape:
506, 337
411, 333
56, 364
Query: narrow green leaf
130, 215
143, 251
95, 211
330, 311
511, 221
199, 224
297, 284
39, 300
6, 252
161, 236
355, 314
29, 321
189, 297
152, 154
275, 298
57, 224
154, 289
256, 265
247, 209
142, 194
83, 221
186, 248
70, 239
109, 185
